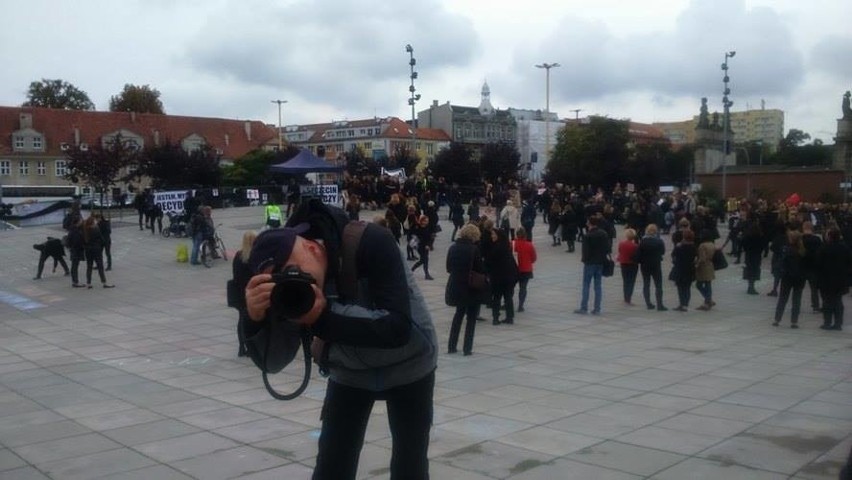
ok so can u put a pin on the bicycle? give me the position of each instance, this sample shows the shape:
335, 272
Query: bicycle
209, 247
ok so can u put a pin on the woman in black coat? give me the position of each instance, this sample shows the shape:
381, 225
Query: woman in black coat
425, 234
833, 265
462, 258
650, 258
752, 245
503, 274
570, 226
792, 276
683, 268
77, 251
94, 246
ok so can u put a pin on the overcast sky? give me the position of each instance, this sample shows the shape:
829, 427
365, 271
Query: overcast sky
334, 59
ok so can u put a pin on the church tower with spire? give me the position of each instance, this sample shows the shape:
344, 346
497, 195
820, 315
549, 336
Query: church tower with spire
485, 107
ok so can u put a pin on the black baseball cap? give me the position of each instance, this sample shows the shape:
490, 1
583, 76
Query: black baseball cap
273, 247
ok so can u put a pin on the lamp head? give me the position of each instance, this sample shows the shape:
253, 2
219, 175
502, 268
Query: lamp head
731, 54
409, 49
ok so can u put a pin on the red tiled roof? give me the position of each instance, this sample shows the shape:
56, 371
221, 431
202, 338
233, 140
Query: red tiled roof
58, 126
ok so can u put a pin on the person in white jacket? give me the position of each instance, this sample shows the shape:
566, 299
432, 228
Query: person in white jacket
510, 219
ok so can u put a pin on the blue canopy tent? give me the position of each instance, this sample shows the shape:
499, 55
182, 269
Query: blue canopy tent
304, 162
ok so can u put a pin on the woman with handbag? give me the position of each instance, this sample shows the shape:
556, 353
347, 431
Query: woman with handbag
466, 286
705, 271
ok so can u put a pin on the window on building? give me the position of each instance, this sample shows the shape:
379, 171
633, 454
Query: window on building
41, 169
430, 148
61, 168
351, 133
5, 168
19, 142
38, 143
23, 168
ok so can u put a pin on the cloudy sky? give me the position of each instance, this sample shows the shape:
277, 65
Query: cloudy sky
338, 59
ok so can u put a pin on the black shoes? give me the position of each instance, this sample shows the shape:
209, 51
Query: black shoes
662, 309
521, 308
773, 293
429, 277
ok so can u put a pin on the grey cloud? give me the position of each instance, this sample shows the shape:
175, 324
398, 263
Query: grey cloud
833, 55
326, 51
682, 62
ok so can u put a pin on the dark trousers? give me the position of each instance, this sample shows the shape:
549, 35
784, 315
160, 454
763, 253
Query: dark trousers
462, 311
652, 272
628, 277
706, 290
159, 221
506, 294
811, 278
94, 258
108, 254
344, 420
56, 258
523, 280
141, 215
832, 309
786, 289
424, 259
76, 258
684, 292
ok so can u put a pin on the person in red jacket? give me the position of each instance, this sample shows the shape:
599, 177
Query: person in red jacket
525, 252
627, 250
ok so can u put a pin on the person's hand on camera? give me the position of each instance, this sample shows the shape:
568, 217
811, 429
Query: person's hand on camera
314, 313
258, 296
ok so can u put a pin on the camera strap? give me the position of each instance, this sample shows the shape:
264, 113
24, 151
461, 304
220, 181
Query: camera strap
306, 378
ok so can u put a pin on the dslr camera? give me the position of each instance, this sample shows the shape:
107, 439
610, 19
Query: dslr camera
293, 294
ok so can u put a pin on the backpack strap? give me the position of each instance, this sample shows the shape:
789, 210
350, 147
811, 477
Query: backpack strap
347, 287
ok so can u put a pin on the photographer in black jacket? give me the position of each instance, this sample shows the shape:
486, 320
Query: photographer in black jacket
51, 248
379, 345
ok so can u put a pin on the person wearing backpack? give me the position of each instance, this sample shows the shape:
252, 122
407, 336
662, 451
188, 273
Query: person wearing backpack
372, 329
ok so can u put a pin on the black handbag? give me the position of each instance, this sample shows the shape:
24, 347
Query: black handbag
476, 280
608, 267
719, 260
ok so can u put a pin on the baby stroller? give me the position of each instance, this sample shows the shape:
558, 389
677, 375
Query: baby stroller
177, 226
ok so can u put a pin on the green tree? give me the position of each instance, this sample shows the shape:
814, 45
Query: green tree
500, 160
794, 138
99, 166
792, 152
170, 166
133, 98
252, 169
592, 153
456, 165
57, 94
359, 164
402, 158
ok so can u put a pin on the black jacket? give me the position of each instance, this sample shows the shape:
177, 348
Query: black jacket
683, 259
596, 247
833, 266
651, 252
500, 263
462, 258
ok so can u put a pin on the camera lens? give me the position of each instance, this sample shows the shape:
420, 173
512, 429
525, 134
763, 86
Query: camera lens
293, 298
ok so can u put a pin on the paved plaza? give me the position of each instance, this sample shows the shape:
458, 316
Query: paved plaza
143, 382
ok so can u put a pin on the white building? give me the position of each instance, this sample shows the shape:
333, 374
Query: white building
533, 128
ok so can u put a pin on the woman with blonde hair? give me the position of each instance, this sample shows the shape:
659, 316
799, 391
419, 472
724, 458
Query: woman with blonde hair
464, 257
242, 273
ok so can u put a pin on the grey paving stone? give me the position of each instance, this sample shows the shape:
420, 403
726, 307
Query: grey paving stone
27, 434
226, 464
149, 432
187, 446
494, 459
565, 469
96, 465
626, 458
40, 453
158, 472
548, 441
702, 469
10, 461
24, 473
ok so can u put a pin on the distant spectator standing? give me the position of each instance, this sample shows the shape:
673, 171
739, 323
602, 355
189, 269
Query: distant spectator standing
526, 255
273, 215
627, 253
833, 264
596, 248
650, 258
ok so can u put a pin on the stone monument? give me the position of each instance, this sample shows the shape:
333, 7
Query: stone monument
843, 140
709, 141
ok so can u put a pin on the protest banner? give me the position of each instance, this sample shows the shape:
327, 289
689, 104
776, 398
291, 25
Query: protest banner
170, 202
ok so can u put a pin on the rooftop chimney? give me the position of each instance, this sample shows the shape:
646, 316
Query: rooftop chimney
227, 140
76, 136
26, 120
248, 130
434, 103
132, 117
156, 138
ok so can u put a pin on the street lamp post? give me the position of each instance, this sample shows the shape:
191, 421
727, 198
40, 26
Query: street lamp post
726, 128
547, 67
280, 134
414, 98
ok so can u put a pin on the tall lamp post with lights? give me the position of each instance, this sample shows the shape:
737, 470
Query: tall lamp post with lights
280, 134
414, 98
726, 128
547, 67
